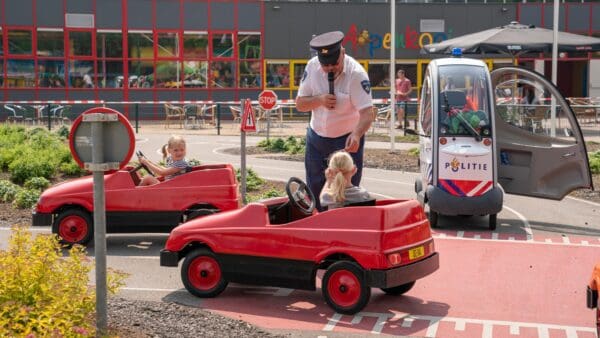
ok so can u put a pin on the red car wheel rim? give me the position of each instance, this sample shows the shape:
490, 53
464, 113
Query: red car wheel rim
73, 229
204, 273
344, 288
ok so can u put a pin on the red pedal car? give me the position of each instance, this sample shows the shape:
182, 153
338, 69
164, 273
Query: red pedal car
284, 241
68, 207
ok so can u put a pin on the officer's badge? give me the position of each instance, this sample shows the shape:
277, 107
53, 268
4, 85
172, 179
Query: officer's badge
304, 76
366, 85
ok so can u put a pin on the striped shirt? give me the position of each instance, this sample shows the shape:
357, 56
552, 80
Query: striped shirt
176, 164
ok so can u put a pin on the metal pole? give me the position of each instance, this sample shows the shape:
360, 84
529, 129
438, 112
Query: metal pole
243, 152
49, 123
393, 76
554, 68
136, 118
268, 112
99, 229
218, 119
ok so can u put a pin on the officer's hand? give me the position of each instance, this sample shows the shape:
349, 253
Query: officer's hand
352, 143
328, 101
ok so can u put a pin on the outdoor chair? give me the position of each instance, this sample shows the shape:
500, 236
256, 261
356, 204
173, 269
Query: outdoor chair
381, 116
206, 114
15, 113
236, 115
174, 113
585, 113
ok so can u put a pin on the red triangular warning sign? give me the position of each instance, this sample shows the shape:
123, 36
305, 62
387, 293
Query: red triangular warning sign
248, 119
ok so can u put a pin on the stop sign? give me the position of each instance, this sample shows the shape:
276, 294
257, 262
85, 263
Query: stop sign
267, 99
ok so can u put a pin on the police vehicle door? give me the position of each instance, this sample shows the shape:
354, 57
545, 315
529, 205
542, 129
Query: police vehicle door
540, 150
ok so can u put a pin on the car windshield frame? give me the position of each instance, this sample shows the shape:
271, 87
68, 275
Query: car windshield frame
464, 101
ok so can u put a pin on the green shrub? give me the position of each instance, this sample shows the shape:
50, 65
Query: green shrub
63, 132
595, 162
46, 294
71, 168
414, 151
8, 189
37, 183
24, 168
26, 198
194, 162
291, 145
269, 194
253, 181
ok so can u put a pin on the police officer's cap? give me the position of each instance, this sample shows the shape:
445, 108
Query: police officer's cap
328, 46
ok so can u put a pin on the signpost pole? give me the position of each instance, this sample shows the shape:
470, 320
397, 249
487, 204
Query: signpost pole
98, 154
243, 152
99, 228
268, 112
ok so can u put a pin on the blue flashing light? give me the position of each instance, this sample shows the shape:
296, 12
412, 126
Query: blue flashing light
456, 52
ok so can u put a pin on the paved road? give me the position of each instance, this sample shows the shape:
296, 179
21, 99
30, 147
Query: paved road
527, 279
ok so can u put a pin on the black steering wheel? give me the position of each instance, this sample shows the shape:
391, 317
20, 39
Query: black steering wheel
141, 165
300, 196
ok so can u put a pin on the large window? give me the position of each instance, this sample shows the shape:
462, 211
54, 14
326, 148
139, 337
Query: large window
109, 50
298, 69
277, 74
50, 43
379, 74
222, 45
195, 64
80, 43
195, 45
109, 44
51, 73
51, 63
168, 68
222, 74
19, 42
141, 59
250, 65
20, 73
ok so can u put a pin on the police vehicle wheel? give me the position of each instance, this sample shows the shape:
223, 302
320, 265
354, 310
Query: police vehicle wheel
433, 218
492, 224
418, 186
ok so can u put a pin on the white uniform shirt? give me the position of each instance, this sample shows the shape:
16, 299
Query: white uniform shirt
352, 91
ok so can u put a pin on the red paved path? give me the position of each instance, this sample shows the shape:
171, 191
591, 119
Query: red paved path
483, 289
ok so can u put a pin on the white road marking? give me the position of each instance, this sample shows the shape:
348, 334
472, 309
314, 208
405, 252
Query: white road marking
584, 201
543, 329
442, 236
524, 220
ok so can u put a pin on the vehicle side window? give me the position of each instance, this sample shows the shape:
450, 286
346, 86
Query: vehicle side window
526, 104
425, 108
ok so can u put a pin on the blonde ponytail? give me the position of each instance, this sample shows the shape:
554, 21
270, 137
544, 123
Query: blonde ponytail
340, 164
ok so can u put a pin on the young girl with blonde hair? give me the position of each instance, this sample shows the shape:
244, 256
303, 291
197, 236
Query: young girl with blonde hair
338, 188
176, 163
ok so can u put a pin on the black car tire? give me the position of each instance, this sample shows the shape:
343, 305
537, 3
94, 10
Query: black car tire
201, 274
345, 287
74, 226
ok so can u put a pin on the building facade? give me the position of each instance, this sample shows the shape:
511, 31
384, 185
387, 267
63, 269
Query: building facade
151, 50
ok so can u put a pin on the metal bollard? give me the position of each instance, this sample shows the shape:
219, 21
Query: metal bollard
136, 118
218, 119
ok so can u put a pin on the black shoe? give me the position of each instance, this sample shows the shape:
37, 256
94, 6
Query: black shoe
399, 127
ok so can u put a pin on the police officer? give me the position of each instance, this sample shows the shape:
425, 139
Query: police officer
336, 88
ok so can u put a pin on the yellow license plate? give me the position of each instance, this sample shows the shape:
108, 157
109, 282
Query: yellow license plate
416, 252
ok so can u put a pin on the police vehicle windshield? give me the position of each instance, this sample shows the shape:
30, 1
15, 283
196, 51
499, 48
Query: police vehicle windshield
464, 103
